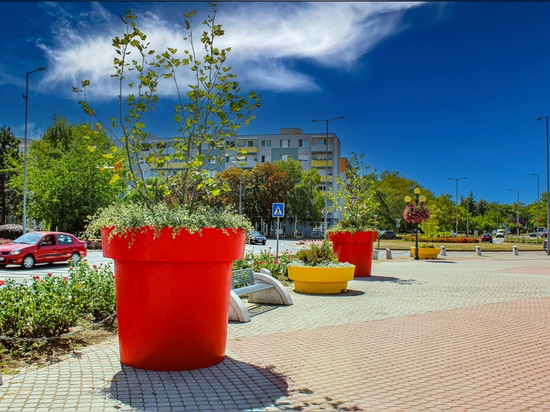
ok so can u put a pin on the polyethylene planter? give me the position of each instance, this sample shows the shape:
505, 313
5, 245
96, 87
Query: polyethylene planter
425, 252
173, 295
355, 248
310, 279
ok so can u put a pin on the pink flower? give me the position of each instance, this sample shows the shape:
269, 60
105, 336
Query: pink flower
65, 278
416, 213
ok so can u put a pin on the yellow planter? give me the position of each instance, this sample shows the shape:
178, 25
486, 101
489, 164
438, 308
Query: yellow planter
425, 252
308, 279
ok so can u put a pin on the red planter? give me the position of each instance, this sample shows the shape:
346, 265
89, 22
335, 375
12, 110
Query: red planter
173, 296
355, 248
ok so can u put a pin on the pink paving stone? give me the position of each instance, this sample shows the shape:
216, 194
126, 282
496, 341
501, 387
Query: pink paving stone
485, 357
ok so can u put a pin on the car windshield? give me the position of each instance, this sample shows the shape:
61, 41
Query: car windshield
28, 238
256, 234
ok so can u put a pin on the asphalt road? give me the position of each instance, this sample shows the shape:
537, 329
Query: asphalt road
96, 257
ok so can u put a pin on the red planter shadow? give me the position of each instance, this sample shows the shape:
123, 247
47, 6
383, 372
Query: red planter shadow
173, 296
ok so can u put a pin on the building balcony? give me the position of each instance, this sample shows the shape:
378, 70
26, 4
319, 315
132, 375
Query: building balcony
321, 163
249, 150
321, 148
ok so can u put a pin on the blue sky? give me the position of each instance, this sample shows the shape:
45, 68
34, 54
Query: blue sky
430, 90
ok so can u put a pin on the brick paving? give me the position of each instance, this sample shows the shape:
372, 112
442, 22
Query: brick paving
463, 332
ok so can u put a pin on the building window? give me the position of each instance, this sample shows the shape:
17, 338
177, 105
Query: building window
285, 143
303, 143
284, 157
263, 159
266, 143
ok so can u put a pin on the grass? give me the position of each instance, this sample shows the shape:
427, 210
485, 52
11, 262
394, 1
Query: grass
469, 247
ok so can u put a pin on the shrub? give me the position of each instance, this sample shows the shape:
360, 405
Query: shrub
47, 307
11, 231
266, 259
317, 254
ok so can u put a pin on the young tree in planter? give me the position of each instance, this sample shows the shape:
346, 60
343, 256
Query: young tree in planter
166, 246
206, 115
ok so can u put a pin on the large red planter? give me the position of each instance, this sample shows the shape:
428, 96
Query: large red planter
173, 295
355, 248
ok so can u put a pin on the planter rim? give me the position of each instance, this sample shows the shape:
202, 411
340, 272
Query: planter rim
136, 245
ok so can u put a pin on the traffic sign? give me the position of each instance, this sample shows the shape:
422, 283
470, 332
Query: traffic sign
278, 210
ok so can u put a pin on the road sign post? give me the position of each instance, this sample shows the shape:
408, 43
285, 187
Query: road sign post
278, 211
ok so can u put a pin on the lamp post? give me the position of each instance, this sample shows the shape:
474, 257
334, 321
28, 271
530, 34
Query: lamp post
517, 218
26, 97
326, 165
418, 200
239, 160
547, 185
456, 199
538, 205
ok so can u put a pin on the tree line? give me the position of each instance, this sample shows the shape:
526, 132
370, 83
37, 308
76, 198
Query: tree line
69, 177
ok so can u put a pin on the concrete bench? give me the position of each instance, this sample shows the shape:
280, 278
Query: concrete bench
259, 287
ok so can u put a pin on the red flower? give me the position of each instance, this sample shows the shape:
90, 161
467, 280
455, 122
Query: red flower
36, 277
65, 278
49, 274
1, 282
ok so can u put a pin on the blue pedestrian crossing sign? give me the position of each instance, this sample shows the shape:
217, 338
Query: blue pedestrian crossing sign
278, 210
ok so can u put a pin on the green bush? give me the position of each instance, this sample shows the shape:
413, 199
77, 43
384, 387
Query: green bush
47, 307
266, 259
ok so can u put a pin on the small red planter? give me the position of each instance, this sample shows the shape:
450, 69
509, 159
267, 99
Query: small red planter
355, 248
173, 296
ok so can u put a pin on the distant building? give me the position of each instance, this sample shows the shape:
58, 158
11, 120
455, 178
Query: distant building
312, 150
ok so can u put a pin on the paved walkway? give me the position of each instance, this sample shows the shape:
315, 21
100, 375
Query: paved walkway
463, 332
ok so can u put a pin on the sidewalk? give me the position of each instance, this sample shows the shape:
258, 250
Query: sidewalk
463, 332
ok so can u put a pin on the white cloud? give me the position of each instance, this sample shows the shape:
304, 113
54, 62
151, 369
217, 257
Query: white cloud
271, 42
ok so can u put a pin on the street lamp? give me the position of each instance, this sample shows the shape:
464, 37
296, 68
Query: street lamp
538, 205
456, 200
26, 97
517, 218
239, 160
326, 164
547, 185
418, 200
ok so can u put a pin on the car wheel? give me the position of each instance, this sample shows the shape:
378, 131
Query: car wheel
28, 262
75, 257
263, 243
2, 266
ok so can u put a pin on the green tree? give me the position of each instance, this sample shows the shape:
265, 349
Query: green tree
394, 188
65, 175
303, 201
207, 113
271, 185
307, 201
9, 165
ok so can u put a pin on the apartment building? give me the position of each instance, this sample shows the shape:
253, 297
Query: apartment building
313, 150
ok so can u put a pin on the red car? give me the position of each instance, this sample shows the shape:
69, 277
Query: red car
42, 247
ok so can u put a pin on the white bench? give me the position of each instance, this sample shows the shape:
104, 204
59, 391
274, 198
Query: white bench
259, 287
